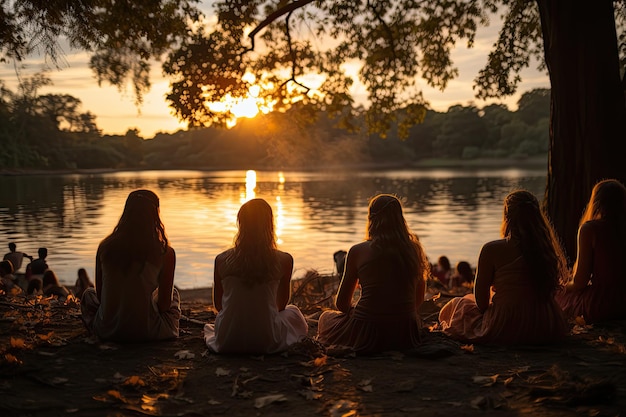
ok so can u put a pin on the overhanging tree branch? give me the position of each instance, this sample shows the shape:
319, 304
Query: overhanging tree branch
297, 4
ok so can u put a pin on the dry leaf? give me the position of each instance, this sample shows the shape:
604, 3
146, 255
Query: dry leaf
134, 381
222, 372
365, 385
213, 402
45, 337
18, 343
344, 408
479, 402
486, 381
468, 348
268, 399
320, 361
184, 354
116, 394
11, 359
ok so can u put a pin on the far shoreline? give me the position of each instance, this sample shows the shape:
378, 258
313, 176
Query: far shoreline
535, 162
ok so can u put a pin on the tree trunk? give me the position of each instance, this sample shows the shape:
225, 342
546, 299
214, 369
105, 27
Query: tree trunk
588, 111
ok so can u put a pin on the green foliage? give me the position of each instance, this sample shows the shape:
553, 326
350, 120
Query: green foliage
123, 36
394, 42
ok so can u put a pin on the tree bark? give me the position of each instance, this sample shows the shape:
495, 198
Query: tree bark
587, 111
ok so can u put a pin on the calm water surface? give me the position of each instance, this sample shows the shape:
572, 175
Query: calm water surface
453, 211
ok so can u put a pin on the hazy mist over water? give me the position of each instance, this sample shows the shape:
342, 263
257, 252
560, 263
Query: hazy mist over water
453, 212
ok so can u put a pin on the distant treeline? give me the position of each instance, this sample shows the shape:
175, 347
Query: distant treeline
50, 132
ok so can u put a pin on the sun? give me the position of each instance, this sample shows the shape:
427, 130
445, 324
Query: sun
248, 106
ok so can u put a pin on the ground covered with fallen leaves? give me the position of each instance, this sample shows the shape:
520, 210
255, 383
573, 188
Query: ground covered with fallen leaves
50, 365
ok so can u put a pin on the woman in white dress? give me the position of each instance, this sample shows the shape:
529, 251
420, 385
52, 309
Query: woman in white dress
134, 299
251, 289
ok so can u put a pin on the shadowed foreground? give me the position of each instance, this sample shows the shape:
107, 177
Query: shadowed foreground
51, 366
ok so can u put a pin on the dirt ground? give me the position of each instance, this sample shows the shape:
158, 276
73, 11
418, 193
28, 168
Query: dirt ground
50, 365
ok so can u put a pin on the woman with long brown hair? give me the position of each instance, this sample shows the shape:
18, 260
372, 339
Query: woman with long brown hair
251, 290
516, 280
391, 268
597, 289
134, 298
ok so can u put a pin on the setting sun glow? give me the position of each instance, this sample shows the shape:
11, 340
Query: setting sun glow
249, 106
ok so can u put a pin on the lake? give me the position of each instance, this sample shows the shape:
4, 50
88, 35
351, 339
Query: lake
453, 212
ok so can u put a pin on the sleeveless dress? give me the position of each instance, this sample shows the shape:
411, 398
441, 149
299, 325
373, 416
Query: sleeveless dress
249, 321
384, 318
128, 311
605, 296
515, 314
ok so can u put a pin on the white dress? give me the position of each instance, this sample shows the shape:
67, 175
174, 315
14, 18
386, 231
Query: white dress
250, 322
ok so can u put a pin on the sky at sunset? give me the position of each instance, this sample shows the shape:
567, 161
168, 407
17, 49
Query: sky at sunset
116, 112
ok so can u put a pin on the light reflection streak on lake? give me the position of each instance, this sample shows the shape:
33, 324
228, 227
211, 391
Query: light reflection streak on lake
453, 211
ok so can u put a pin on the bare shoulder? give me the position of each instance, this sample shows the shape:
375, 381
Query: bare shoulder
222, 256
495, 245
284, 256
590, 226
362, 247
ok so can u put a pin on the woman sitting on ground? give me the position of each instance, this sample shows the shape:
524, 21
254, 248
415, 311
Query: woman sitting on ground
597, 291
51, 286
251, 289
7, 279
516, 279
391, 268
134, 299
82, 283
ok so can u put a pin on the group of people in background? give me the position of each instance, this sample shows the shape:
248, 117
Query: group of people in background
523, 290
37, 278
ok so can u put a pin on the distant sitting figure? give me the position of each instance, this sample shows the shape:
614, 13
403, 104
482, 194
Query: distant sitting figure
463, 275
251, 289
340, 261
134, 299
443, 271
597, 290
40, 265
7, 279
51, 286
391, 268
16, 257
82, 283
516, 279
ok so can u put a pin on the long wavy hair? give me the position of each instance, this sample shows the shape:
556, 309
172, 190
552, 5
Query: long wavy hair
254, 257
526, 223
607, 202
390, 235
139, 234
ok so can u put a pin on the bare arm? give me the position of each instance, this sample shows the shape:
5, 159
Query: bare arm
98, 275
485, 273
349, 282
218, 289
166, 280
584, 259
420, 292
284, 288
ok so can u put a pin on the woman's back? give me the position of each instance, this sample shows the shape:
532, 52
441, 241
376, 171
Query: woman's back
126, 311
249, 320
387, 289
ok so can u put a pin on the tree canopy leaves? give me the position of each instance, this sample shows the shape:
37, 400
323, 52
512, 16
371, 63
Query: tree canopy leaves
122, 35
